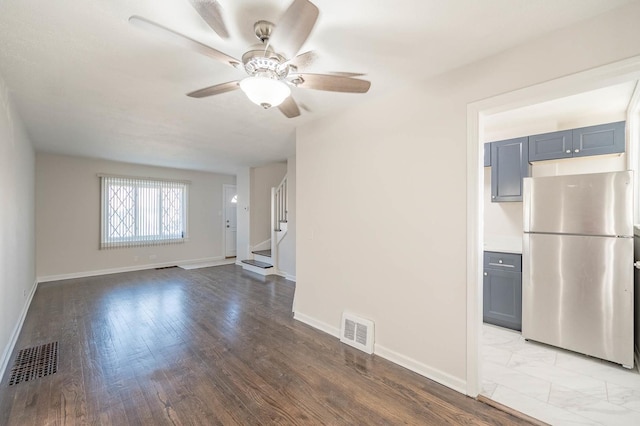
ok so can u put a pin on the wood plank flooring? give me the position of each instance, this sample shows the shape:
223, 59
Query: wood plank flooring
210, 346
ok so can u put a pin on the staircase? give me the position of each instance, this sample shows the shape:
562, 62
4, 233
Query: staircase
265, 262
260, 264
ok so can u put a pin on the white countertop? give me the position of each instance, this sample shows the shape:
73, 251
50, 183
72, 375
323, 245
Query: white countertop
503, 244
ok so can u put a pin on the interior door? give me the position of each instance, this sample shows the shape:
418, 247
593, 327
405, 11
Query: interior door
230, 219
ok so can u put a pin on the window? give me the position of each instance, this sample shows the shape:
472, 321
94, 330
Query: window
140, 212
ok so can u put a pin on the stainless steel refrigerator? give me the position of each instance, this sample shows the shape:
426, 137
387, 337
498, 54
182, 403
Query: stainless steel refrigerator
577, 272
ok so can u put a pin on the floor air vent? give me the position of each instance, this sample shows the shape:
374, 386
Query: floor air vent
31, 363
357, 332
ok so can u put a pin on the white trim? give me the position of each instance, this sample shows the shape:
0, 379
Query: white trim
633, 140
322, 326
607, 75
402, 360
285, 275
186, 182
260, 271
475, 232
6, 356
263, 245
94, 273
424, 370
189, 266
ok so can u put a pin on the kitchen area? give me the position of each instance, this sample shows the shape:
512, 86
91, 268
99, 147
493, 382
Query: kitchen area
560, 325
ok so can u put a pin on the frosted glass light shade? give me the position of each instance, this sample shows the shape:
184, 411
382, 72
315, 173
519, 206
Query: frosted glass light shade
265, 91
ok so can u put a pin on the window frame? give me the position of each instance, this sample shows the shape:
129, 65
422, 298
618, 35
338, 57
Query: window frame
137, 240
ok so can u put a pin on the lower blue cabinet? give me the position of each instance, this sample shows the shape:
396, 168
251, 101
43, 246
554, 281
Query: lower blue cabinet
502, 292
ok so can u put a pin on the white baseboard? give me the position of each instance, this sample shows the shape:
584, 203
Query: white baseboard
263, 245
260, 271
322, 326
286, 275
85, 274
189, 266
434, 374
4, 360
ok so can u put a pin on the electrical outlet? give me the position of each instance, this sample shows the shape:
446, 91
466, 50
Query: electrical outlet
152, 256
135, 258
24, 293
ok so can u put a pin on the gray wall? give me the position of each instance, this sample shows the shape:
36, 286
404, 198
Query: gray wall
17, 241
262, 180
382, 208
68, 218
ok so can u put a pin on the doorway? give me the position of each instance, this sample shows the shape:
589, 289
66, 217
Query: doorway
477, 114
230, 219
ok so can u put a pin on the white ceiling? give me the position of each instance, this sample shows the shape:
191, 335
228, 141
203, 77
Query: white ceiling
88, 83
600, 106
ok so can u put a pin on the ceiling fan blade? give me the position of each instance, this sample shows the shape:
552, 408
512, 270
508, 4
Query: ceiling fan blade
347, 74
215, 90
211, 12
294, 27
331, 83
304, 60
289, 108
182, 40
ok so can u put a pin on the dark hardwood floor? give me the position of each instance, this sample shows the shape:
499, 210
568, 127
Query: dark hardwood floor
209, 346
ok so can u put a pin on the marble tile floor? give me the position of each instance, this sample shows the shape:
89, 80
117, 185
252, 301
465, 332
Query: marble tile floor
557, 386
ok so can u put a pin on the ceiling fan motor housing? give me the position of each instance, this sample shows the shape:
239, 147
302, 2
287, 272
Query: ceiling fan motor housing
263, 30
265, 62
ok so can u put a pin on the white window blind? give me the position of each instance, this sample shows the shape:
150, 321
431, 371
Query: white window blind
141, 211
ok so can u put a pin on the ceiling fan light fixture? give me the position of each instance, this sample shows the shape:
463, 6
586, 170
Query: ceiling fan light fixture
264, 91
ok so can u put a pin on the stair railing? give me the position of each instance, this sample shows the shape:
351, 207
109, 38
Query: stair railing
279, 207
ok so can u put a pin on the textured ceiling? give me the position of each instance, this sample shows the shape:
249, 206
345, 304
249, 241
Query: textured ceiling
88, 83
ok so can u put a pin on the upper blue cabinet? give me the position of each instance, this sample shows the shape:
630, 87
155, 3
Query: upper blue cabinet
593, 140
550, 146
509, 164
596, 140
487, 155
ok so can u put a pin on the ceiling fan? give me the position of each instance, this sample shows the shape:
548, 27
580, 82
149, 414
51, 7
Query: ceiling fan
272, 65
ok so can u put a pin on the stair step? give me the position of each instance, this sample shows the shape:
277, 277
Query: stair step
266, 253
257, 263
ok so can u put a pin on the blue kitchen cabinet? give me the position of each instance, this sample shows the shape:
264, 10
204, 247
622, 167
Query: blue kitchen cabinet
551, 146
593, 140
597, 140
509, 164
487, 155
502, 290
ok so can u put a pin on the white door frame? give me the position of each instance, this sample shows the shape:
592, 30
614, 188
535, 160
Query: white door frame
596, 78
224, 219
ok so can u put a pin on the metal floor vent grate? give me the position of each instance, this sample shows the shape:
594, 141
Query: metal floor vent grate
31, 363
357, 332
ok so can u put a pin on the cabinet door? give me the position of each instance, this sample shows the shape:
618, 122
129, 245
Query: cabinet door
502, 298
509, 164
487, 154
550, 146
595, 140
